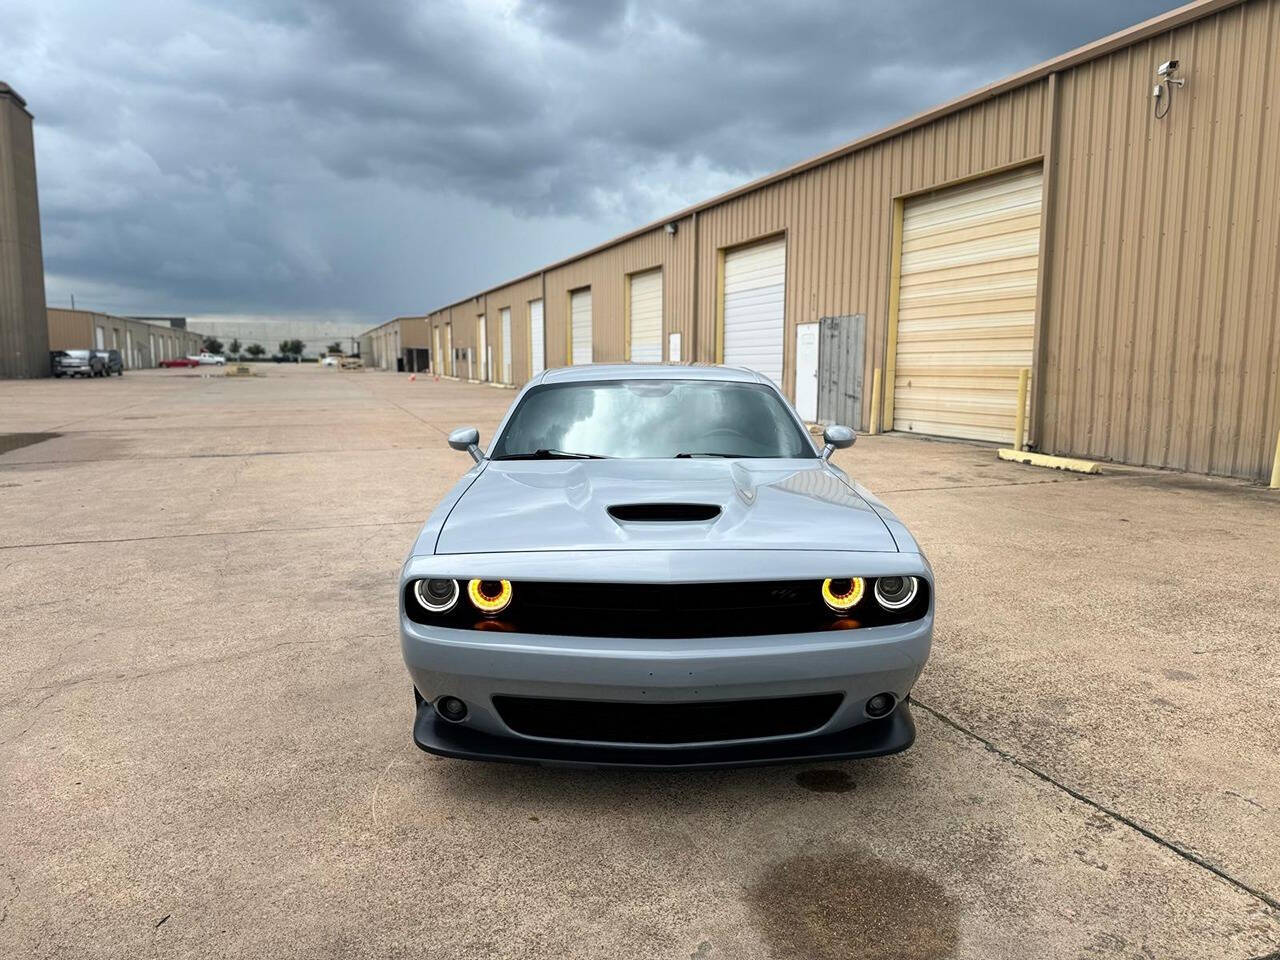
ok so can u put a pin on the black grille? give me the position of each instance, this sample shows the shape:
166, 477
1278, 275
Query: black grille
607, 721
671, 609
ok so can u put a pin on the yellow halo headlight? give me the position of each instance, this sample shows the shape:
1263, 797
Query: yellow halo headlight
841, 595
490, 597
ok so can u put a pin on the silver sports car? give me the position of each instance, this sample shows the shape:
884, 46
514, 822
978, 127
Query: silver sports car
655, 566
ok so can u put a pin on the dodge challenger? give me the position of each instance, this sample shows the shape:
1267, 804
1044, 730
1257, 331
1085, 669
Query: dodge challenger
656, 566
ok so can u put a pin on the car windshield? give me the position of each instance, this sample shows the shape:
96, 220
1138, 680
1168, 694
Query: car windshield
651, 419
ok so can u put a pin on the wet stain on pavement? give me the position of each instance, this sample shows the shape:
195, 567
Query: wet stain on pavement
16, 441
825, 781
847, 903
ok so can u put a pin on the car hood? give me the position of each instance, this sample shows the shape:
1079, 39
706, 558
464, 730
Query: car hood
565, 505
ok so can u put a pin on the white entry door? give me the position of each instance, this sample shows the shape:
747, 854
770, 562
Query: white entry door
673, 347
807, 371
537, 351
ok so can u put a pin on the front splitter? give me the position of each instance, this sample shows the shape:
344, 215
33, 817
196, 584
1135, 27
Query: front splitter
875, 738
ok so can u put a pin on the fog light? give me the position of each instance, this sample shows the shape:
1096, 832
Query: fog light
894, 593
451, 708
436, 595
881, 704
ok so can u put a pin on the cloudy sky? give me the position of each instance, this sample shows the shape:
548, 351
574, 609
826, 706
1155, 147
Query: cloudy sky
356, 160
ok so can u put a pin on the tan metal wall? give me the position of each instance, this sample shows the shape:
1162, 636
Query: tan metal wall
1162, 343
74, 330
70, 329
838, 217
24, 346
1158, 324
605, 274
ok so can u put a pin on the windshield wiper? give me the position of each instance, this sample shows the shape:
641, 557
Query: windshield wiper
546, 454
686, 456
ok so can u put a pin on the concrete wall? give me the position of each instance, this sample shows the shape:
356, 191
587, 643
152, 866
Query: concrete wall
24, 346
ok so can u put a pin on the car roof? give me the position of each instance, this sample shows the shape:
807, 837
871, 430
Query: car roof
586, 373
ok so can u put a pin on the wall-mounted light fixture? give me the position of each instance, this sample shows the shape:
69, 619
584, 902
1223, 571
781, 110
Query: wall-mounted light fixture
671, 228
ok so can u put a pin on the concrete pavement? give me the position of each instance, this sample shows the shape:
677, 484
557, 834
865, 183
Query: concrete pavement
204, 723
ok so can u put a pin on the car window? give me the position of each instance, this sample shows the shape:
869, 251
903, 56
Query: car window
652, 419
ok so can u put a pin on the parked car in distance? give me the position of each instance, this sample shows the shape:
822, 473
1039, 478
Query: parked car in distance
286, 358
330, 361
180, 362
76, 363
657, 566
113, 362
205, 358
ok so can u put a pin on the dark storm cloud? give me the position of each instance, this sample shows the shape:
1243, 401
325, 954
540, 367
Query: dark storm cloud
383, 157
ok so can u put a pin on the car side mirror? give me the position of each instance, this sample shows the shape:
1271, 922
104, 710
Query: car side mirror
837, 437
468, 439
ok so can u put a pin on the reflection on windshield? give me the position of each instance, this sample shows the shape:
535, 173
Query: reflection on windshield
653, 419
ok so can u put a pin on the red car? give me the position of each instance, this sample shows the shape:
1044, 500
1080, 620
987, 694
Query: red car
180, 362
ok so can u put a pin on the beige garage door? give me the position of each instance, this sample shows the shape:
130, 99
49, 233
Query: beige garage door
966, 307
646, 317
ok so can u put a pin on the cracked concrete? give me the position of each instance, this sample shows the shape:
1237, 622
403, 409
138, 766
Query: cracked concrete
204, 721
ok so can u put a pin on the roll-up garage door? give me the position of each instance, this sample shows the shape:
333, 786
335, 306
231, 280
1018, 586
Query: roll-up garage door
754, 290
580, 319
966, 307
506, 344
646, 317
537, 354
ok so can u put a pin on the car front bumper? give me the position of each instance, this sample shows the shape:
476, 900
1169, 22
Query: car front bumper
874, 738
478, 666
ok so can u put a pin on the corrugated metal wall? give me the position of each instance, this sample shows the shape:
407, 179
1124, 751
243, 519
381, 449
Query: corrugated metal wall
1162, 341
73, 330
1160, 327
838, 217
24, 344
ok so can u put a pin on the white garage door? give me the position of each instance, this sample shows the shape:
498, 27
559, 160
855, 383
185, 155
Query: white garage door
506, 344
646, 317
537, 351
580, 319
966, 307
754, 290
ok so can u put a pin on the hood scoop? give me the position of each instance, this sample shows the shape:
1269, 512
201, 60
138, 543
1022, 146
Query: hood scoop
664, 512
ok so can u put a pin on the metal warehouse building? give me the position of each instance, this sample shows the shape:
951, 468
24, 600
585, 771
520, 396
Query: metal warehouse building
400, 344
1121, 247
141, 343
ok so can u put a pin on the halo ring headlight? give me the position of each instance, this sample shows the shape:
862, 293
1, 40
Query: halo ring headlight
894, 593
436, 594
843, 594
490, 597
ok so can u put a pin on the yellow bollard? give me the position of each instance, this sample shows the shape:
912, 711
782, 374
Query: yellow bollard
1275, 467
875, 402
1020, 421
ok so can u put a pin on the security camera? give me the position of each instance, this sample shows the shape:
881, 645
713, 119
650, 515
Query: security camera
1166, 68
671, 228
